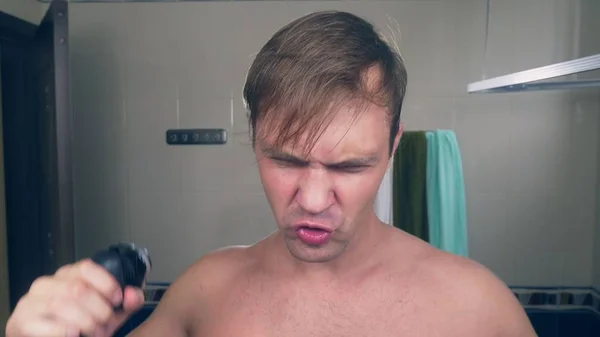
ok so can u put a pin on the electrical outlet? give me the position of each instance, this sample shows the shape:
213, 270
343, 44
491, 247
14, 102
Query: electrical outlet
196, 136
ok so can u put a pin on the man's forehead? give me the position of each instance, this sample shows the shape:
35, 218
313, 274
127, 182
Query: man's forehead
328, 146
353, 127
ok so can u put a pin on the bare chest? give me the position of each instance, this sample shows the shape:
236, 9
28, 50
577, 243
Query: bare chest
369, 311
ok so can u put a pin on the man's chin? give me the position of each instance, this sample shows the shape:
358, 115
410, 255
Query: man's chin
313, 254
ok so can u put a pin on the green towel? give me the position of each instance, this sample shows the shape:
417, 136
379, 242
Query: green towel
410, 198
446, 193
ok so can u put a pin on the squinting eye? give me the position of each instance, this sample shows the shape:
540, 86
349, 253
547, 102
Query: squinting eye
350, 169
287, 162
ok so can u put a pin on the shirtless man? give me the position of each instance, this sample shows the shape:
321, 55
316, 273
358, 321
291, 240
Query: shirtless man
324, 96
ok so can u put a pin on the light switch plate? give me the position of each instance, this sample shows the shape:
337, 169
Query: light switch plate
196, 136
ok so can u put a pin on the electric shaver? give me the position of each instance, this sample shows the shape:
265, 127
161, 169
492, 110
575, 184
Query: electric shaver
130, 265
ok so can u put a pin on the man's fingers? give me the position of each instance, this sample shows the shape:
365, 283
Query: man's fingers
134, 299
72, 314
96, 305
101, 280
47, 328
95, 276
80, 296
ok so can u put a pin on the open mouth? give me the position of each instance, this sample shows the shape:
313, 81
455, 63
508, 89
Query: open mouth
313, 229
313, 235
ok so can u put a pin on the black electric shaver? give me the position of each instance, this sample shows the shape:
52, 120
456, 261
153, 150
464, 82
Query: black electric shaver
130, 265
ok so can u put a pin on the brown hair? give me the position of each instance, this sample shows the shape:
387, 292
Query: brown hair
315, 63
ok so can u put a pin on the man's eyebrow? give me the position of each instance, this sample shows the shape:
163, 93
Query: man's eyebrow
279, 154
359, 161
274, 152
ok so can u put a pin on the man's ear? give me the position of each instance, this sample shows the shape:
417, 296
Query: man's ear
397, 138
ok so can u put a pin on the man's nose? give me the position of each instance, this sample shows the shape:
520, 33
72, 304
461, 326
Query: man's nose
315, 193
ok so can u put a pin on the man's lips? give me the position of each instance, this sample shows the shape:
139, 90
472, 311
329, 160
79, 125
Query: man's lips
312, 234
312, 225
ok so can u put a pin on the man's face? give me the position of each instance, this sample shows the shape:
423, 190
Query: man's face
323, 200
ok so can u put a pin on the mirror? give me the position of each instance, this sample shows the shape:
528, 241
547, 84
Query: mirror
528, 161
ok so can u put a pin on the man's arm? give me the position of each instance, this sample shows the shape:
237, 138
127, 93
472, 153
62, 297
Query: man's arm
169, 318
483, 305
499, 307
190, 295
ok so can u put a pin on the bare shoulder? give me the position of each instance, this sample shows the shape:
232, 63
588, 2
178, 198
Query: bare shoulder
216, 267
474, 291
210, 274
192, 292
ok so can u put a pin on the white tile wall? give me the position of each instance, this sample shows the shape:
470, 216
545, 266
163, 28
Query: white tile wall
589, 44
28, 10
596, 268
530, 159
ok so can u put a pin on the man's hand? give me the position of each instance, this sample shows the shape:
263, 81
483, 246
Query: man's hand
78, 300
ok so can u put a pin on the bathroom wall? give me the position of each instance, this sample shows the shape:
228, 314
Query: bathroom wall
139, 69
589, 44
596, 261
28, 10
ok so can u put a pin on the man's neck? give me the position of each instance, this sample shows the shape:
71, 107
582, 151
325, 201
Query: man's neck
357, 255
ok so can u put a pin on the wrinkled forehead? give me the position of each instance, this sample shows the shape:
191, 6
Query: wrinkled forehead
349, 130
